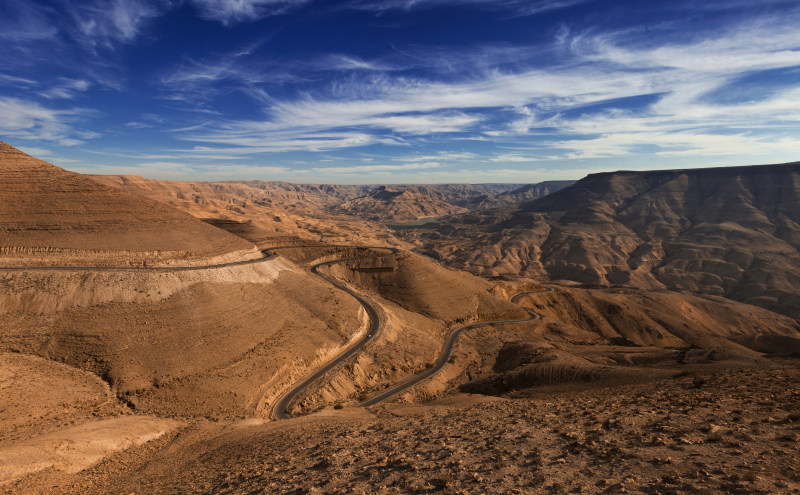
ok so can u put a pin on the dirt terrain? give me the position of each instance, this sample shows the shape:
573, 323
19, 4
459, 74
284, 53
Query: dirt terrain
273, 210
731, 431
407, 204
141, 379
335, 213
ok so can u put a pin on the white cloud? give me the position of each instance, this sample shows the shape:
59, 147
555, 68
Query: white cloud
516, 7
23, 21
512, 158
8, 80
423, 124
230, 12
376, 169
121, 21
66, 89
138, 125
36, 152
29, 120
186, 170
677, 78
442, 156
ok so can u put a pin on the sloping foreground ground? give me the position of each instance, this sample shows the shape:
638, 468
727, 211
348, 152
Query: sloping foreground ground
732, 432
50, 216
58, 418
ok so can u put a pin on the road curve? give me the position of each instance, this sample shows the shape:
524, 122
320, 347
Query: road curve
448, 350
279, 408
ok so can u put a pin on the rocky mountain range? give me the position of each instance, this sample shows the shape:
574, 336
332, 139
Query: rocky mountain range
731, 231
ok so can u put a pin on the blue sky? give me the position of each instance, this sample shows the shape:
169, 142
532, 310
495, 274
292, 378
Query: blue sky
399, 91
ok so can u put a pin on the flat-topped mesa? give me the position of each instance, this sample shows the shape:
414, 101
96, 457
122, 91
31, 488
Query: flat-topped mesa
52, 217
766, 186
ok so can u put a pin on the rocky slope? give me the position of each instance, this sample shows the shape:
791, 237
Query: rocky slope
49, 215
730, 432
269, 210
409, 203
727, 231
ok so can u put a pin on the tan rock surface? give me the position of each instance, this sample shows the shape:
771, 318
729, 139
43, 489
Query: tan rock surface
264, 213
76, 448
51, 216
398, 205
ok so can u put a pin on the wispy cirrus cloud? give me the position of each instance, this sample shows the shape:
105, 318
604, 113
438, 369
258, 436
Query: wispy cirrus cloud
14, 81
28, 120
376, 169
22, 21
517, 7
230, 12
66, 89
573, 105
106, 24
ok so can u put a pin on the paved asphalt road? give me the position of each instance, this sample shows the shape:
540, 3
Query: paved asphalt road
448, 350
279, 410
132, 268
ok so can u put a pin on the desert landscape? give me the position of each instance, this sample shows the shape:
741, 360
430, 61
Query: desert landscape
627, 333
399, 247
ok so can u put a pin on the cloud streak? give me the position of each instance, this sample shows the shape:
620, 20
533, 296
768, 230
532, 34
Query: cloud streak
229, 12
28, 120
578, 100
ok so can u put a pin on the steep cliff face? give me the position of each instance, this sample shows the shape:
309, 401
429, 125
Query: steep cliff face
731, 231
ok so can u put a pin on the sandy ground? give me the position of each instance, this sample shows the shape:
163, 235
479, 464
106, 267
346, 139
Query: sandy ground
59, 418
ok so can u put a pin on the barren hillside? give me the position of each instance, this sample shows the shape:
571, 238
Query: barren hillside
731, 231
165, 380
398, 205
270, 211
50, 215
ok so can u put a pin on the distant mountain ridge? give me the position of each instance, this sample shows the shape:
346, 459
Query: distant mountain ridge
732, 231
409, 203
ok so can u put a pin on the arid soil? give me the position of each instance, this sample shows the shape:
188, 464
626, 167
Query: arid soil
725, 432
398, 205
154, 381
335, 213
270, 211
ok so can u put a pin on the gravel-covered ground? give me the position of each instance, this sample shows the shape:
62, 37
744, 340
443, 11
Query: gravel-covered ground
736, 431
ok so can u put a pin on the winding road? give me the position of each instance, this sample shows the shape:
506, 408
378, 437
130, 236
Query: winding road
448, 350
279, 408
267, 256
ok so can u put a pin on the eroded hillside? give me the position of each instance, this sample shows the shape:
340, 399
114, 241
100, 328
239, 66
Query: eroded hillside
733, 232
49, 213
